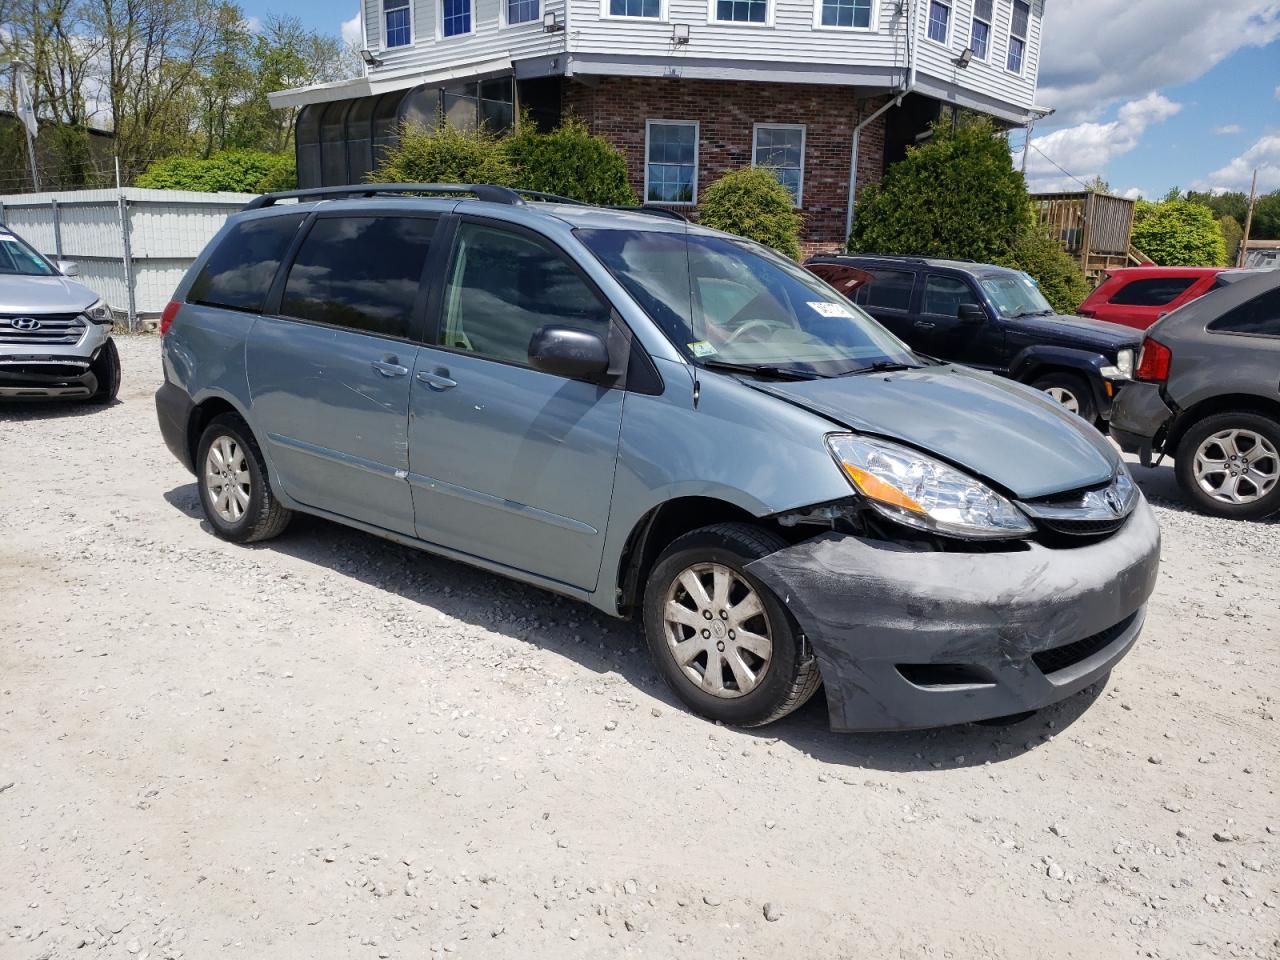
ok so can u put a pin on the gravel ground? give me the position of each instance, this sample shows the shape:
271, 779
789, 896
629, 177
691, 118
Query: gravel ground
333, 746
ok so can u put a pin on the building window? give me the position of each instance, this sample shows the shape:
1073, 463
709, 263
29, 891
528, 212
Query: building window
455, 17
522, 11
742, 11
780, 147
635, 8
1018, 35
671, 161
939, 20
854, 14
395, 14
980, 32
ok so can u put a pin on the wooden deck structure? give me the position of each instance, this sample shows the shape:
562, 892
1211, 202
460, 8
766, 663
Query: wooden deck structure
1095, 228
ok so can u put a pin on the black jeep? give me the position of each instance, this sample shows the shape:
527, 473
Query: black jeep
992, 318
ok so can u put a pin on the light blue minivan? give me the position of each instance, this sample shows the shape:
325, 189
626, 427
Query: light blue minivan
666, 422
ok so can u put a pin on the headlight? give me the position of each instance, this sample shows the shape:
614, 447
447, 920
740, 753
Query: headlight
1123, 368
99, 312
919, 491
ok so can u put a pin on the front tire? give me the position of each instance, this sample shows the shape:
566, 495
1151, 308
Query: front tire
1228, 465
1071, 391
721, 639
232, 478
106, 367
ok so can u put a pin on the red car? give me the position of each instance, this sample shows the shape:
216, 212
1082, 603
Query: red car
1139, 296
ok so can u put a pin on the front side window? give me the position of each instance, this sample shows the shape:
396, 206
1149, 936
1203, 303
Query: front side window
887, 290
395, 15
361, 273
239, 272
671, 162
728, 300
635, 8
944, 295
522, 11
846, 13
16, 258
1018, 35
455, 17
780, 147
939, 21
980, 31
1155, 292
742, 11
504, 286
1259, 316
1016, 295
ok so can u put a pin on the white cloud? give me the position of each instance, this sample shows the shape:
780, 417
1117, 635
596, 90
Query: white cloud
1099, 52
1229, 128
254, 24
351, 31
1133, 193
1263, 156
1085, 150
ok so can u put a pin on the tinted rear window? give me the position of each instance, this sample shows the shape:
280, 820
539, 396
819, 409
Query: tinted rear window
361, 273
239, 272
1259, 316
890, 289
1155, 292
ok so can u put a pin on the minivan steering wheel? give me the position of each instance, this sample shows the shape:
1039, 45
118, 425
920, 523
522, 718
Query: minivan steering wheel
768, 325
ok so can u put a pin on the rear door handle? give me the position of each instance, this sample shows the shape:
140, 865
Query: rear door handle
437, 380
390, 368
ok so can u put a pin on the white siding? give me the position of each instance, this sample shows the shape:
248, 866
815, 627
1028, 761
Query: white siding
990, 78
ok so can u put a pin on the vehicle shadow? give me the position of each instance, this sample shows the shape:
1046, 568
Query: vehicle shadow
17, 411
603, 644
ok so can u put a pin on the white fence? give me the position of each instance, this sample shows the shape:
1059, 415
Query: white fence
132, 245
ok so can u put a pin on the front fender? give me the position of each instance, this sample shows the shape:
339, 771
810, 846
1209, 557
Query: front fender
1031, 361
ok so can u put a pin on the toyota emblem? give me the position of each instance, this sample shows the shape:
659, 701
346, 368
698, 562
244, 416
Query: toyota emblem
25, 323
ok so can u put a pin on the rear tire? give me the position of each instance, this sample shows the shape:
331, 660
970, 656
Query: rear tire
1255, 440
107, 369
232, 479
1071, 391
725, 644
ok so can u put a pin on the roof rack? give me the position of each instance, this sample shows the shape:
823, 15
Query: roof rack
481, 191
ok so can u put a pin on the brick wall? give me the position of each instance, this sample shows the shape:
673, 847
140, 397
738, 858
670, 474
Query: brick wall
617, 108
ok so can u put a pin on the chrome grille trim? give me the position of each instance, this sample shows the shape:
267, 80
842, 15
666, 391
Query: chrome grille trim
51, 328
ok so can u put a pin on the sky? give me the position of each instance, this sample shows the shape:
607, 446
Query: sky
1148, 94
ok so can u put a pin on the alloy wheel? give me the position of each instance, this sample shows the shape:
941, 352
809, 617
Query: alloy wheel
227, 479
717, 630
1065, 397
1237, 466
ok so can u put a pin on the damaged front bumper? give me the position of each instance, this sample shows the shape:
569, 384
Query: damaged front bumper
908, 639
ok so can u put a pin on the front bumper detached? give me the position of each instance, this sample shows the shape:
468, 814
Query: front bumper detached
908, 639
38, 371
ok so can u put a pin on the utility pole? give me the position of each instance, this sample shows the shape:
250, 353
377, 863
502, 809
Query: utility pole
1248, 222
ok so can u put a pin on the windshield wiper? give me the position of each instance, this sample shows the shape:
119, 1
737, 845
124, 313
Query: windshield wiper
1031, 313
764, 370
886, 366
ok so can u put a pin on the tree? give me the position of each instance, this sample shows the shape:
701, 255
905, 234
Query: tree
445, 154
1233, 204
1232, 235
750, 202
1060, 279
1178, 233
957, 195
1266, 218
1098, 185
569, 162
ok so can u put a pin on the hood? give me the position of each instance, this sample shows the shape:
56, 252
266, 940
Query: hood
43, 295
1007, 433
1073, 331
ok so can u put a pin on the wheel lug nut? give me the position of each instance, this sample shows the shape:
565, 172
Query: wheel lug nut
706, 634
731, 635
706, 614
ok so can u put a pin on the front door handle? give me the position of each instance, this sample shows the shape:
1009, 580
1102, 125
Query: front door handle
925, 324
390, 368
437, 380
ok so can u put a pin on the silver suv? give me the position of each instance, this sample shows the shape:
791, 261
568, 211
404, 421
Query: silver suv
666, 422
55, 333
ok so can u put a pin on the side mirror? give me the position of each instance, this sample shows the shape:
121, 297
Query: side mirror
68, 268
972, 313
569, 352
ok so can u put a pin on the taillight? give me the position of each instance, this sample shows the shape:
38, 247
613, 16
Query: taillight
166, 318
1153, 362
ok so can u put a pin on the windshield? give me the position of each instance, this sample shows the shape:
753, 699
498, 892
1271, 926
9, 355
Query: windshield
724, 300
1016, 295
16, 258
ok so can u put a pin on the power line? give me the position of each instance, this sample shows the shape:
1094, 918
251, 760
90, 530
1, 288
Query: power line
1033, 146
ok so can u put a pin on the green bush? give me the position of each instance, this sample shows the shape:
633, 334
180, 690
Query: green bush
752, 203
956, 195
1178, 233
569, 162
1232, 237
235, 171
1059, 276
445, 154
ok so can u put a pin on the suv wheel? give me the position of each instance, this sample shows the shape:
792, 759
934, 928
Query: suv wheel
1228, 465
1069, 390
723, 642
107, 369
232, 478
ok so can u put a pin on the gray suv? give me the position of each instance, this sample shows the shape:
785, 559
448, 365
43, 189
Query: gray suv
663, 421
55, 333
1208, 395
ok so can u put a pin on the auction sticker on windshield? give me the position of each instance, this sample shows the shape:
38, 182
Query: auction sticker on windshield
700, 348
828, 309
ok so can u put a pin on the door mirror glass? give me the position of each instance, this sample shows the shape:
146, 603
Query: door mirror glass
69, 268
569, 352
972, 313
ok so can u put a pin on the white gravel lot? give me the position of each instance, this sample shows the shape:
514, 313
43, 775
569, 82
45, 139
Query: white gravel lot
332, 746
